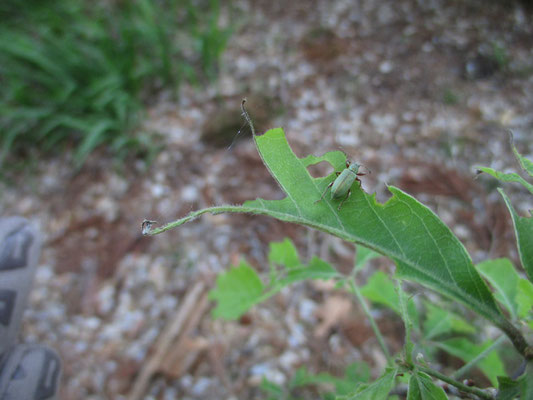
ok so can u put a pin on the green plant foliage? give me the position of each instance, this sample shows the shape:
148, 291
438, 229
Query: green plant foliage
423, 248
379, 389
421, 387
272, 390
509, 389
524, 298
507, 177
355, 373
240, 288
466, 350
363, 256
236, 291
526, 164
316, 269
523, 228
358, 372
440, 321
380, 289
77, 72
503, 277
284, 253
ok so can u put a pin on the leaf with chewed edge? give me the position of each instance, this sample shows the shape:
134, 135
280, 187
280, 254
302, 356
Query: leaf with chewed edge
422, 246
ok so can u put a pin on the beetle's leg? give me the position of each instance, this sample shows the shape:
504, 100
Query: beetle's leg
323, 194
359, 180
346, 198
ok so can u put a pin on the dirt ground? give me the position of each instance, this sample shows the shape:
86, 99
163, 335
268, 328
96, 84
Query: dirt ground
420, 92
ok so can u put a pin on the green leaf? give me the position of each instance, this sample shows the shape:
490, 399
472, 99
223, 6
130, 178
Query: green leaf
274, 391
508, 389
317, 269
377, 390
524, 298
363, 256
284, 253
240, 288
503, 277
421, 387
526, 164
236, 291
523, 228
509, 177
422, 246
526, 382
440, 320
358, 371
380, 289
355, 373
464, 349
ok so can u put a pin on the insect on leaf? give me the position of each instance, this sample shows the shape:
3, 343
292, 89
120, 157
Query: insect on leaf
422, 246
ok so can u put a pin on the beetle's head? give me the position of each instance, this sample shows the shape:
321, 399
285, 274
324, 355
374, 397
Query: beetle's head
353, 166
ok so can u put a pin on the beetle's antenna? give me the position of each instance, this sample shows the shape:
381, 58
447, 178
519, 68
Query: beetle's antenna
367, 169
247, 116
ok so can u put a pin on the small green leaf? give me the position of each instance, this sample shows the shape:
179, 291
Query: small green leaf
421, 387
236, 291
355, 373
317, 269
466, 350
503, 277
274, 391
363, 256
509, 177
522, 387
377, 390
524, 298
508, 389
526, 382
526, 164
358, 371
523, 228
284, 253
380, 289
440, 320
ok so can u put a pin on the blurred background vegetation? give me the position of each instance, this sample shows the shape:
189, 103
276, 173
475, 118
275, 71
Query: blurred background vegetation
75, 73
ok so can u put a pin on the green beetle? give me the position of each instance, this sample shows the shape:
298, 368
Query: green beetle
341, 186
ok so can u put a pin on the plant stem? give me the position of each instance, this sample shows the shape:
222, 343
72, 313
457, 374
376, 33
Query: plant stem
516, 337
468, 389
472, 363
355, 290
